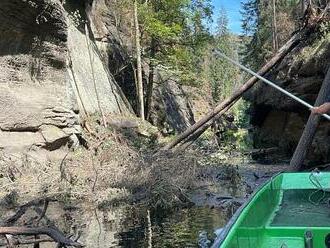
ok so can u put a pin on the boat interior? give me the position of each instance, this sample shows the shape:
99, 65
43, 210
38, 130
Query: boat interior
291, 211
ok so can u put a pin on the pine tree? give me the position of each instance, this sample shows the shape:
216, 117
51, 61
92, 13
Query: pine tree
222, 75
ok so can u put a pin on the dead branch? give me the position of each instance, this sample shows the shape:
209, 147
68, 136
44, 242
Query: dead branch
44, 210
23, 208
56, 235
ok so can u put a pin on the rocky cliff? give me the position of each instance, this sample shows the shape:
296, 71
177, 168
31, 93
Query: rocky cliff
60, 63
113, 33
279, 120
52, 75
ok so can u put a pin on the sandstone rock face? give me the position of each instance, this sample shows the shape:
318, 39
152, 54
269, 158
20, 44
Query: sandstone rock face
279, 120
113, 34
171, 110
51, 74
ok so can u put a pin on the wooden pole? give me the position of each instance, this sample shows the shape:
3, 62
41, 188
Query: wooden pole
275, 38
306, 139
191, 139
295, 39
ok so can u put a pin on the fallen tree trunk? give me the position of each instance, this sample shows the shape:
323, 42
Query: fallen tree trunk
296, 163
194, 136
293, 42
29, 242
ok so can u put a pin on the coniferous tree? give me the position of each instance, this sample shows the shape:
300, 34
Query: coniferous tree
222, 75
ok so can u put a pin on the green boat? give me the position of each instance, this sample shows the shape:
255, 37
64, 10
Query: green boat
289, 211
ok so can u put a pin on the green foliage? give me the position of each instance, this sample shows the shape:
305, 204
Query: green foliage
175, 33
238, 138
162, 20
257, 23
325, 29
221, 74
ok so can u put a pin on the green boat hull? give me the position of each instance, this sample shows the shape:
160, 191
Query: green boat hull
289, 211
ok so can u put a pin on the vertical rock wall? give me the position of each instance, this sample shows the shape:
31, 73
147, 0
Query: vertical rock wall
46, 80
278, 120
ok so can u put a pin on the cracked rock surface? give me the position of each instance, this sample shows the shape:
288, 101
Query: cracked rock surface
46, 81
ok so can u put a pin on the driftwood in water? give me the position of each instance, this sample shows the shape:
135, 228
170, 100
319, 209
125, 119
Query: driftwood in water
10, 232
54, 234
292, 43
306, 139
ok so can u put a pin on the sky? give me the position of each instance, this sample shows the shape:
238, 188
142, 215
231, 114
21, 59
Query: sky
232, 7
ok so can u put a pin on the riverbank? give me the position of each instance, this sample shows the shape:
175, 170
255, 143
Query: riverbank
107, 187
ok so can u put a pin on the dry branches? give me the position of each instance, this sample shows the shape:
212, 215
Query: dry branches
56, 235
11, 232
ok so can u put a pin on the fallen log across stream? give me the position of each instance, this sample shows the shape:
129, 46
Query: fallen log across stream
220, 109
193, 132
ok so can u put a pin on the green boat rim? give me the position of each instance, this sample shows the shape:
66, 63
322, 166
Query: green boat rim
222, 236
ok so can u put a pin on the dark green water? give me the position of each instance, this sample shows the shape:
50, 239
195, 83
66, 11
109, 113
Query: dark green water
129, 228
180, 229
126, 226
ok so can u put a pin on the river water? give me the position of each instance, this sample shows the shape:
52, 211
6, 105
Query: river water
129, 227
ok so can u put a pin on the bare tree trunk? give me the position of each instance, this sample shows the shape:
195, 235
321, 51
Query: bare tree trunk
239, 92
303, 7
275, 38
310, 129
191, 139
138, 64
151, 78
149, 229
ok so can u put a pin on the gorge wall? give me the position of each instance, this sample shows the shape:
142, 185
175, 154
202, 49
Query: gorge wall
278, 120
48, 80
60, 63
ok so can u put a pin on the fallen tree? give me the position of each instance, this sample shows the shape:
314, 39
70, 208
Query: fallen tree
312, 22
199, 127
190, 139
11, 233
54, 234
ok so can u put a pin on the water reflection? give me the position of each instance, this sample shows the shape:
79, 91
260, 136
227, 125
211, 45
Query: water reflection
124, 227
